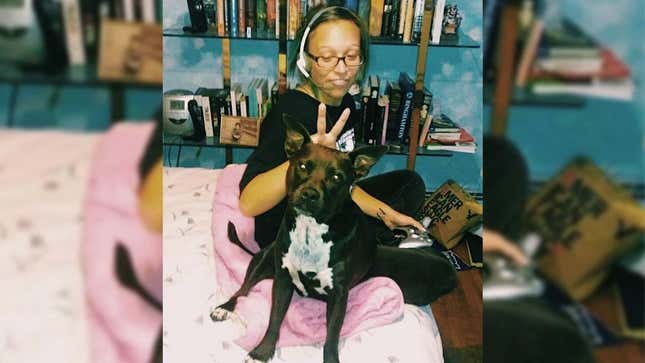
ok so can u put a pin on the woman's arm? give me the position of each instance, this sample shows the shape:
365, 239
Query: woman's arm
377, 209
264, 191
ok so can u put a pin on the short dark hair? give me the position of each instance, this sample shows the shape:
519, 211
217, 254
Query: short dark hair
330, 13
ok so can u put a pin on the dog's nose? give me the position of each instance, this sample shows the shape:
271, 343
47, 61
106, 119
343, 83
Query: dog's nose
310, 194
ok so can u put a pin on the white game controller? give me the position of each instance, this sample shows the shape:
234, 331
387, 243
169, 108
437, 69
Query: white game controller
505, 280
411, 237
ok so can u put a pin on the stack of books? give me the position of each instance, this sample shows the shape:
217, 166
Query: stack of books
444, 134
565, 60
390, 19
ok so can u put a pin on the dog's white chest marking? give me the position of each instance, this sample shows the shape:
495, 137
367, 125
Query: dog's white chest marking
309, 253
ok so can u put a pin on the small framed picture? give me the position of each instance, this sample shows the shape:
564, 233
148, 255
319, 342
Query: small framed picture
130, 52
239, 130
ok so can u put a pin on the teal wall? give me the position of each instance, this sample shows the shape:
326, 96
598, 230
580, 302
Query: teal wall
453, 74
79, 108
611, 133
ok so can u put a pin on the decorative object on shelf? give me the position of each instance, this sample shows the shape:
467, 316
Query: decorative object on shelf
198, 21
240, 130
451, 20
130, 52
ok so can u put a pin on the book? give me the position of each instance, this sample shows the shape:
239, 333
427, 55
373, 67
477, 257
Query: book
261, 18
241, 18
253, 98
393, 27
443, 123
148, 11
249, 9
233, 17
73, 32
401, 21
418, 20
220, 18
371, 111
271, 18
393, 91
409, 19
612, 68
407, 94
376, 17
236, 89
450, 137
622, 90
243, 105
437, 20
384, 102
204, 103
567, 39
362, 128
385, 21
467, 147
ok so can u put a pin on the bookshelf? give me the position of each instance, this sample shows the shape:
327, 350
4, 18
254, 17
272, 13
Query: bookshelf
460, 41
212, 142
411, 151
78, 76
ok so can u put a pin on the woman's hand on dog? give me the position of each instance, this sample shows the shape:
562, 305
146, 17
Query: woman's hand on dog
394, 219
324, 138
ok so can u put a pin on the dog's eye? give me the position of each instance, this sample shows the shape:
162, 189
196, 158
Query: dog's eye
302, 166
337, 178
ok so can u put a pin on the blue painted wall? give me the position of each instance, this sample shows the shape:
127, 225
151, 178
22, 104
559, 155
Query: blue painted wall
452, 74
609, 132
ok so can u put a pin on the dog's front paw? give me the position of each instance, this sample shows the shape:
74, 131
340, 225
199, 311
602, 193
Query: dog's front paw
261, 354
220, 314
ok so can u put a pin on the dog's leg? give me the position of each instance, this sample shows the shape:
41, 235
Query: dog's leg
336, 308
280, 299
261, 267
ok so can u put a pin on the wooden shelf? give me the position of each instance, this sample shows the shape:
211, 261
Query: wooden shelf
85, 75
460, 41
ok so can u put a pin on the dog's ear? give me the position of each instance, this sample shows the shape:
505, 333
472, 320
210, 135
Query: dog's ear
365, 157
296, 137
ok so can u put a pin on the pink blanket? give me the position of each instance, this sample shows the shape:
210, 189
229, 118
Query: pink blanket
122, 326
373, 303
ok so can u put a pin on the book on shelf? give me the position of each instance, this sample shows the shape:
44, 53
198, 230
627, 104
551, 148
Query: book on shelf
418, 20
376, 17
236, 89
73, 32
437, 20
466, 147
407, 94
443, 123
449, 137
613, 68
384, 104
621, 90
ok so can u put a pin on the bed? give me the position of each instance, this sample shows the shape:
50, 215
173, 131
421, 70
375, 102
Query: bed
190, 291
43, 178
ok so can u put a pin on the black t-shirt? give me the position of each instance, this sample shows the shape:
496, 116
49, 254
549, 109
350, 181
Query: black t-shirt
270, 151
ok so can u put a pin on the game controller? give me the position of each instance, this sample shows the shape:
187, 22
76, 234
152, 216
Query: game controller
410, 237
504, 280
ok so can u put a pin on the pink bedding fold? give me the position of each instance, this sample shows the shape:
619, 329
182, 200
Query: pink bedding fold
373, 303
122, 327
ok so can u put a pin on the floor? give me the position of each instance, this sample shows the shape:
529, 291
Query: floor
459, 316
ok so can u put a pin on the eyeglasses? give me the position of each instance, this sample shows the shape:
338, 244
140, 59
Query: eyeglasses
350, 60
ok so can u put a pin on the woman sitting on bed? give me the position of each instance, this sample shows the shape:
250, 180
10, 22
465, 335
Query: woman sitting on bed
334, 57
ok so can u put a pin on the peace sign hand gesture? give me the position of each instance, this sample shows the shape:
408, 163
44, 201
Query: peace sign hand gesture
324, 138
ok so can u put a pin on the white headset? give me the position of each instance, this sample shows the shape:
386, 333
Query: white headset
301, 63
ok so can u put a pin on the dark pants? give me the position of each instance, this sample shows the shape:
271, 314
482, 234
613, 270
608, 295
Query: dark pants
422, 274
